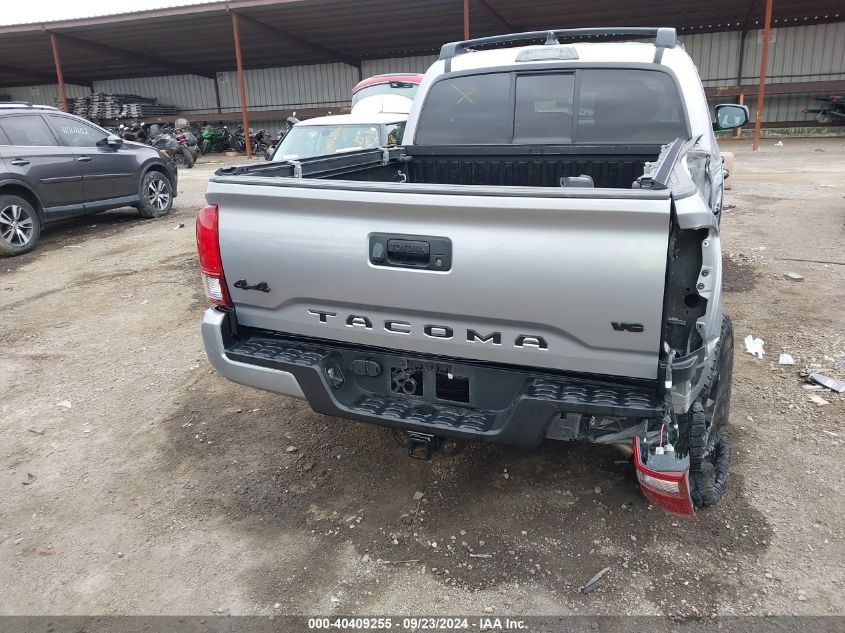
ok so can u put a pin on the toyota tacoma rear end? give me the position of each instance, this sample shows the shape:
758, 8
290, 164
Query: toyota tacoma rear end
540, 259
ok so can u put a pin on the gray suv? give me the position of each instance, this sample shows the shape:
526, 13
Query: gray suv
55, 165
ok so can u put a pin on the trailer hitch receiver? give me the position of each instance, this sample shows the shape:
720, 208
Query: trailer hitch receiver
421, 445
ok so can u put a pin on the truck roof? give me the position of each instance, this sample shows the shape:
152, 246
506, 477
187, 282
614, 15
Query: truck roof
656, 48
559, 54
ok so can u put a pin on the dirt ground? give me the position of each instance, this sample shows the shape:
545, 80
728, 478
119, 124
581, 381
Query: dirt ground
164, 489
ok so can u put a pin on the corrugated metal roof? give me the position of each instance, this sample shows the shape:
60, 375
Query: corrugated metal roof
54, 9
197, 39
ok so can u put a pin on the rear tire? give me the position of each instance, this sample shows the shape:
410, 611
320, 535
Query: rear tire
704, 429
188, 159
20, 227
156, 195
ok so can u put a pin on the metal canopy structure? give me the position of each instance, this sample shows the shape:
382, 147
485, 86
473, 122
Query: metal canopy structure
198, 39
205, 39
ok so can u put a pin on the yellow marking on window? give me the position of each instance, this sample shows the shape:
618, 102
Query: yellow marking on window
465, 96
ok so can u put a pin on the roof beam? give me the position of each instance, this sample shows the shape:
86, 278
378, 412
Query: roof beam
494, 16
151, 60
314, 47
46, 78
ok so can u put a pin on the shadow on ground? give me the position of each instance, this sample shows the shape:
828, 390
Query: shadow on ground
550, 516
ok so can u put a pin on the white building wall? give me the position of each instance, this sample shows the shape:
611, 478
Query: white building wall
189, 93
312, 86
47, 94
418, 64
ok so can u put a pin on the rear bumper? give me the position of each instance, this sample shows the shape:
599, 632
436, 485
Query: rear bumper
495, 404
215, 331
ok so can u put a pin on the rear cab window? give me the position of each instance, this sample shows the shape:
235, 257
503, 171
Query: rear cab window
468, 110
544, 108
587, 105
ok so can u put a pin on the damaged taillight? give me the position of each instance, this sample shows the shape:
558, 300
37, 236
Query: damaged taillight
666, 489
211, 266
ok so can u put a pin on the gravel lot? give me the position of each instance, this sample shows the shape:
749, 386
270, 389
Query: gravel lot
164, 489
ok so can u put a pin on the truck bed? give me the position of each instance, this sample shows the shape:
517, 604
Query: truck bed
610, 167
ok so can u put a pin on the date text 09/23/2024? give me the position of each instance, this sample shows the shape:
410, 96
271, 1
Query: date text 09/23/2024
485, 623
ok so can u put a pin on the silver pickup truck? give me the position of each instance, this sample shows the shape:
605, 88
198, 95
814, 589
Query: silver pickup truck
539, 259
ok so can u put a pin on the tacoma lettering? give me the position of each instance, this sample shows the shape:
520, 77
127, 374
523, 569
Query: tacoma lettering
442, 332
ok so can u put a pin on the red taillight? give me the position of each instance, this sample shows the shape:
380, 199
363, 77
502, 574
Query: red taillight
668, 490
208, 247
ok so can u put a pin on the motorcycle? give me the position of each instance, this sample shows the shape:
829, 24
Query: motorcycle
167, 144
238, 142
832, 110
215, 139
259, 142
188, 140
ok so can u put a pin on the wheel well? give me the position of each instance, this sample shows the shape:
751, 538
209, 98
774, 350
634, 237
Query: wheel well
26, 194
157, 168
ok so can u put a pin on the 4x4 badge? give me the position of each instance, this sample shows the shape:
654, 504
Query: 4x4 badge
624, 327
243, 285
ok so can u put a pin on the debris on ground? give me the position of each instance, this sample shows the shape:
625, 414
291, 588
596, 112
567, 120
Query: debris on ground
793, 277
831, 383
594, 582
418, 495
817, 400
291, 449
786, 359
36, 431
64, 404
754, 346
28, 479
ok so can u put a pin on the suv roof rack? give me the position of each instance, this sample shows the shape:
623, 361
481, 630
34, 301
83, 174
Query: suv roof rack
664, 37
24, 104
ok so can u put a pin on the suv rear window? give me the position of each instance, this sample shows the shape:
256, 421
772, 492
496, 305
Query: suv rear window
28, 130
616, 106
401, 88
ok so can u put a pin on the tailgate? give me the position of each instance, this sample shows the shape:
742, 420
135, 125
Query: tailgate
566, 280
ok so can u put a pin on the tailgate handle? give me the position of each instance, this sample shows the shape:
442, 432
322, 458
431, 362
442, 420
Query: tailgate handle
414, 253
411, 251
